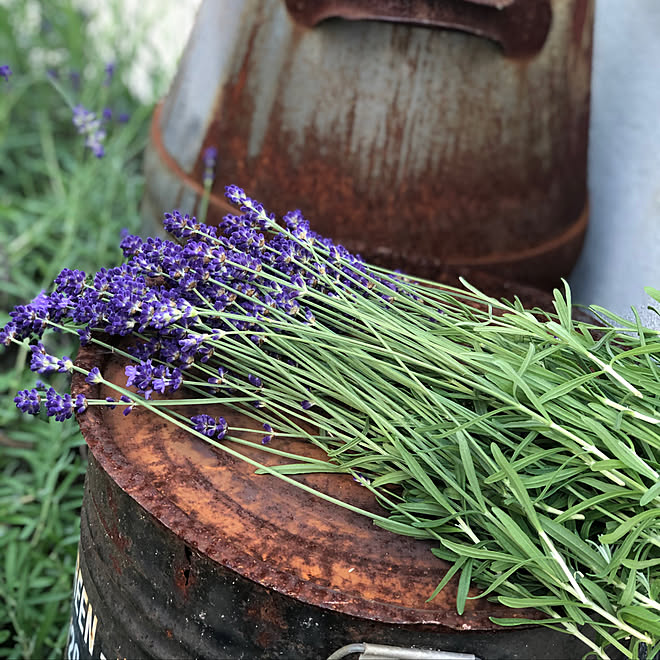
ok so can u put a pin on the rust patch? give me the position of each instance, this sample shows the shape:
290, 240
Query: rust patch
269, 621
499, 182
184, 579
121, 542
520, 27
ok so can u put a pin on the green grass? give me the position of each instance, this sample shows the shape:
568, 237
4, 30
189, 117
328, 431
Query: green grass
59, 207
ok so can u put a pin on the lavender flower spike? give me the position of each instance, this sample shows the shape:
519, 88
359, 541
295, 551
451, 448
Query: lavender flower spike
209, 157
5, 72
28, 401
210, 426
89, 125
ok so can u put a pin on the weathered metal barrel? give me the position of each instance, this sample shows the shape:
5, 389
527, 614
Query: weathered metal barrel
186, 552
455, 130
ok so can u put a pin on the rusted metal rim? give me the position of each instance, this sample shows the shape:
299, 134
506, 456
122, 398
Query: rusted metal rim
266, 530
520, 27
571, 235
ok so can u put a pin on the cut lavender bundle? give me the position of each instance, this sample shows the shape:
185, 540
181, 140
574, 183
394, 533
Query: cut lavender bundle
523, 443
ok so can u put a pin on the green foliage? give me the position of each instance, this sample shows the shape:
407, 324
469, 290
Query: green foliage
59, 205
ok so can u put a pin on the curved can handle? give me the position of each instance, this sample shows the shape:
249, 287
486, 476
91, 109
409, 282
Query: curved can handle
519, 26
380, 652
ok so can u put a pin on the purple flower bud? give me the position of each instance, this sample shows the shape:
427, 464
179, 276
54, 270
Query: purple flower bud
235, 195
255, 380
209, 158
28, 401
306, 405
70, 282
84, 336
41, 362
5, 72
109, 73
210, 426
80, 404
8, 333
361, 479
90, 126
127, 409
94, 376
62, 406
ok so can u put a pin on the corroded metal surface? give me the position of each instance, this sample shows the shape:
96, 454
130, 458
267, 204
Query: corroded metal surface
520, 27
254, 525
389, 137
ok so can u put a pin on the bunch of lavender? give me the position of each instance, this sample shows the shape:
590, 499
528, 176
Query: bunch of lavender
522, 442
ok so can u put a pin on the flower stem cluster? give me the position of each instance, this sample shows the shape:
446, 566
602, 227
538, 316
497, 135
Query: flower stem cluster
89, 125
188, 307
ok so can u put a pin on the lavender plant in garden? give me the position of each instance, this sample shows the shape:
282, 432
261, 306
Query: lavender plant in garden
522, 443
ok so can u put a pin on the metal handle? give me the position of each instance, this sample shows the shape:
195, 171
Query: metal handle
520, 26
380, 652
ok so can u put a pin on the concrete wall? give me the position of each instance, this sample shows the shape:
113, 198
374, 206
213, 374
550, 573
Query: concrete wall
622, 248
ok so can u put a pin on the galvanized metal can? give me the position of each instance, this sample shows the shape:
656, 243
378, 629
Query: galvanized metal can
186, 553
455, 130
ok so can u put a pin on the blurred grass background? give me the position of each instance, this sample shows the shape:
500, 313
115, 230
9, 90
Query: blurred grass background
59, 207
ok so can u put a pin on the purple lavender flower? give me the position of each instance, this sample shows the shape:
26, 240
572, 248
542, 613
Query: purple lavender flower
130, 245
123, 117
129, 408
89, 125
306, 405
84, 336
209, 158
235, 195
361, 479
5, 72
70, 282
255, 380
27, 320
80, 403
107, 114
28, 401
94, 376
41, 362
179, 225
8, 334
166, 378
210, 426
62, 406
109, 73
141, 376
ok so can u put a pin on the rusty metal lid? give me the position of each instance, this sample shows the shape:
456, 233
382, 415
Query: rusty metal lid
265, 529
520, 26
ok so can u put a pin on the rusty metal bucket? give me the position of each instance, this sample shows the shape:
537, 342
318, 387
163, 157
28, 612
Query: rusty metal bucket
185, 552
395, 135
